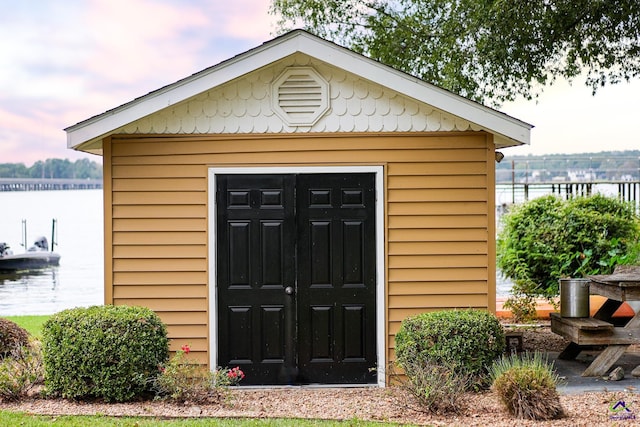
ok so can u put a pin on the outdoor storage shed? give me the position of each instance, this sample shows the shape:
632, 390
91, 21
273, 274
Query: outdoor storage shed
284, 210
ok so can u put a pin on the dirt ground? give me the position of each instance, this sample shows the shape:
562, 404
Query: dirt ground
376, 404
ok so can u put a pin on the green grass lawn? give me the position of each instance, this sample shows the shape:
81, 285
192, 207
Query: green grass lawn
33, 324
25, 420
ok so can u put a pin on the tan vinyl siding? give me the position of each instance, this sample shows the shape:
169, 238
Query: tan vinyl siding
438, 230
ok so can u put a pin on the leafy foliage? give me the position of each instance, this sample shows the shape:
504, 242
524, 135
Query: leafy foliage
527, 386
547, 238
109, 352
183, 379
467, 341
20, 371
483, 50
12, 337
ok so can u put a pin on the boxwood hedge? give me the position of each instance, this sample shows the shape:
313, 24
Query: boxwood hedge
108, 352
470, 340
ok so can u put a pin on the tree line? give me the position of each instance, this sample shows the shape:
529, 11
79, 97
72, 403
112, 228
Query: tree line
606, 165
53, 168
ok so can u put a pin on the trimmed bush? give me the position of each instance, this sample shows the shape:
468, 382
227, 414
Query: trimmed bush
547, 238
12, 337
527, 387
466, 340
108, 352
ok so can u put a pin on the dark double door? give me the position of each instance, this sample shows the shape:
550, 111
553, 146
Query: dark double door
296, 277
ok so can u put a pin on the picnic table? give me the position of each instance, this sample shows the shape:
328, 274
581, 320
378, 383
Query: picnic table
600, 330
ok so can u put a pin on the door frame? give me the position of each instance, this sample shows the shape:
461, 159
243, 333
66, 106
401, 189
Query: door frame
380, 260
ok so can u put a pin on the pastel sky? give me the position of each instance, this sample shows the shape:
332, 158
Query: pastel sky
63, 61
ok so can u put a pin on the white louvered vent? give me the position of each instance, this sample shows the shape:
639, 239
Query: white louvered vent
300, 96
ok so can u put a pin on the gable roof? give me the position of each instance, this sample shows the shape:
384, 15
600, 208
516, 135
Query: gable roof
87, 135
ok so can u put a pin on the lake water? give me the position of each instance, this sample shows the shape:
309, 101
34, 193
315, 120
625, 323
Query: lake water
77, 282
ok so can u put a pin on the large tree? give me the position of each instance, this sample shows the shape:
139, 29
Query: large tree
487, 50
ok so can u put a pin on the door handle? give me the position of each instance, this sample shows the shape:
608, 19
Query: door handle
288, 290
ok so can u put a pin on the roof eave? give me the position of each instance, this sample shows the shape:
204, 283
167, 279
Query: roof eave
90, 132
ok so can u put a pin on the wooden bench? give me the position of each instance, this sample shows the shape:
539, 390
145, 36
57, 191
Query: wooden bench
583, 330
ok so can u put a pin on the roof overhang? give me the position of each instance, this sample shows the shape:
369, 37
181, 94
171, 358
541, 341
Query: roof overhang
88, 134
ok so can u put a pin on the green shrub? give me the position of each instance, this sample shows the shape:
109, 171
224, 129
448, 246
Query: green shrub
20, 371
548, 238
527, 386
466, 340
109, 352
522, 306
182, 379
12, 337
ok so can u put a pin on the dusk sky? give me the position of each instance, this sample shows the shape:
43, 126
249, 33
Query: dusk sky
63, 61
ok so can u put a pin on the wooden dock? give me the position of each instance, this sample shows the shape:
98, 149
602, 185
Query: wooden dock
42, 184
628, 191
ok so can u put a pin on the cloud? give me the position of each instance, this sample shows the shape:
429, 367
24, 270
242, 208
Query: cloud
65, 61
245, 18
569, 119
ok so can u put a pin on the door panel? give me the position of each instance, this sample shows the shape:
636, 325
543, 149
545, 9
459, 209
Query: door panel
336, 320
296, 277
255, 263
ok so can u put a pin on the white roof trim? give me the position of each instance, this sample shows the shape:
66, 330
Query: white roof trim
88, 132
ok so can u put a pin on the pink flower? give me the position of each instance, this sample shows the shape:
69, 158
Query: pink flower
235, 373
186, 348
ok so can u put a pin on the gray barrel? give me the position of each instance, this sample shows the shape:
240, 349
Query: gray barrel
574, 297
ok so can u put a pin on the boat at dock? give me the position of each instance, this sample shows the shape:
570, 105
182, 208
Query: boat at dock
36, 257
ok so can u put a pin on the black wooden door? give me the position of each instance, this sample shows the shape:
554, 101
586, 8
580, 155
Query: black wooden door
296, 277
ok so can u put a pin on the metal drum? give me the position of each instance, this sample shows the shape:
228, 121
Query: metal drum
574, 297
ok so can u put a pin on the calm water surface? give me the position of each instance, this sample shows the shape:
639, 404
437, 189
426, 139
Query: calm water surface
77, 282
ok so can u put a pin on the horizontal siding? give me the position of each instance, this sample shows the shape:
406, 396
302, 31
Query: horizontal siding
437, 248
432, 287
437, 260
438, 235
184, 317
438, 218
312, 157
420, 208
453, 220
160, 211
437, 274
431, 168
437, 181
171, 238
160, 265
164, 146
169, 304
422, 301
159, 198
160, 184
437, 195
159, 224
165, 291
176, 278
159, 252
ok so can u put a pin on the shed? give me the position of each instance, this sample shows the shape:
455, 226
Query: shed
284, 210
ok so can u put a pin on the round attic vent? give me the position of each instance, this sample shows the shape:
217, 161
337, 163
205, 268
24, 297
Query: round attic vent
300, 96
